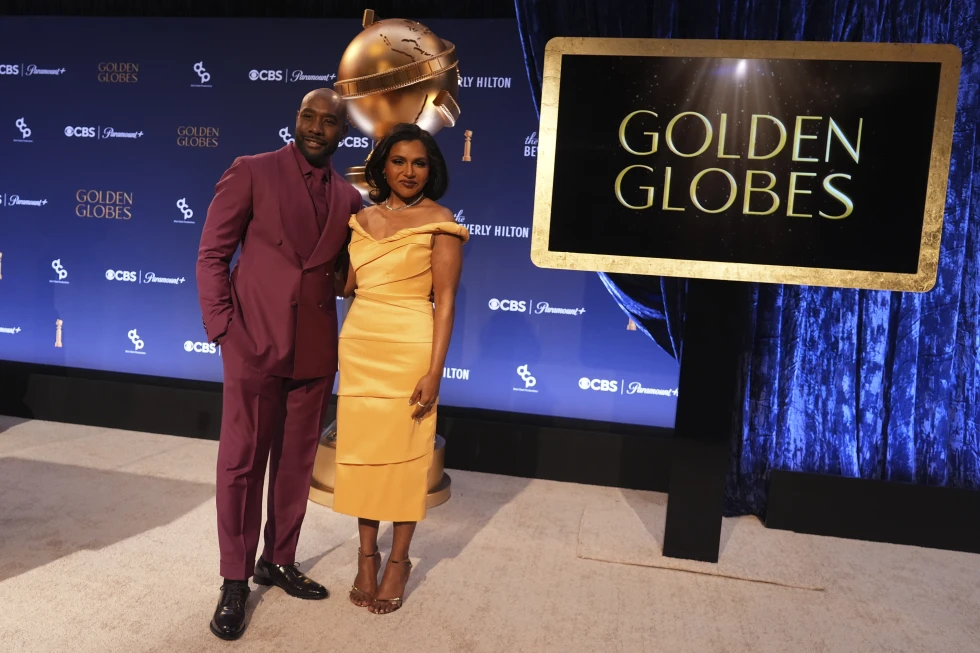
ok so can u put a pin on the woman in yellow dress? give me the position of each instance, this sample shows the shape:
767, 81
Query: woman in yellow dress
405, 256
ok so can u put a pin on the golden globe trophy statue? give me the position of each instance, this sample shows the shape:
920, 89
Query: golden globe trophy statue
396, 70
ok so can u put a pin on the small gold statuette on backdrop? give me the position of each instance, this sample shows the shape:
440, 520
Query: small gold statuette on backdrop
57, 332
631, 325
466, 146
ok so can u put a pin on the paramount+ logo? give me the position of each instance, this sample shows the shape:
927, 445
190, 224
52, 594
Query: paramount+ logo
197, 136
104, 204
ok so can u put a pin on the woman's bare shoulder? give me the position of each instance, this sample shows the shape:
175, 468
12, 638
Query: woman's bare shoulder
438, 213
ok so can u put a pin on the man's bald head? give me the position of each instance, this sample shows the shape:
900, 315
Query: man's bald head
325, 96
320, 124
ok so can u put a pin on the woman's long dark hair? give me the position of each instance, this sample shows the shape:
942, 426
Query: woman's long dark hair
438, 181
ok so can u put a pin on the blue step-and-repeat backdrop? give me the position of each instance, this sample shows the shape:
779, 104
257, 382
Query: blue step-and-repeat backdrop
113, 133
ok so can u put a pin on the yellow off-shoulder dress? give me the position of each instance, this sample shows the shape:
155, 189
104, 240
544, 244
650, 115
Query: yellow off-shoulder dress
383, 455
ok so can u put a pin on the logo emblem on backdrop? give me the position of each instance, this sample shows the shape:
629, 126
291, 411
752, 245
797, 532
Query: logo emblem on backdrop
485, 82
636, 388
498, 231
599, 385
118, 72
285, 135
25, 131
121, 275
9, 69
531, 145
529, 380
509, 305
151, 277
10, 330
100, 133
456, 373
300, 76
186, 211
138, 343
197, 136
201, 347
266, 75
285, 76
203, 75
545, 307
17, 200
104, 204
81, 132
355, 141
59, 270
32, 70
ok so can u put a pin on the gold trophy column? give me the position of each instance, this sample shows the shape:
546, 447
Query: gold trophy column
389, 70
324, 467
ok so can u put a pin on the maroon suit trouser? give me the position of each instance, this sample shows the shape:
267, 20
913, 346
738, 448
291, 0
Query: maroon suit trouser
266, 420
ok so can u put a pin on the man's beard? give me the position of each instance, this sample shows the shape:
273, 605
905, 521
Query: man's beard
318, 159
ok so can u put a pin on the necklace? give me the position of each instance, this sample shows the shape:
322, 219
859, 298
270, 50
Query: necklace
402, 208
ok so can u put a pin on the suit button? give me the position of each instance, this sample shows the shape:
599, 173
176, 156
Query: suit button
279, 242
320, 305
293, 304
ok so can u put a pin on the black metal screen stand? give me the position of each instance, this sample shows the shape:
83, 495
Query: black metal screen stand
714, 324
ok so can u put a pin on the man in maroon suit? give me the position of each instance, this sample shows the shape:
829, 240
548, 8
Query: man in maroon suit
276, 321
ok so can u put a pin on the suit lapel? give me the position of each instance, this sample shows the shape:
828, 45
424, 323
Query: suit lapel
296, 210
335, 232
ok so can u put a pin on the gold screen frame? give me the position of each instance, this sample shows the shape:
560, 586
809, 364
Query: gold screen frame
948, 56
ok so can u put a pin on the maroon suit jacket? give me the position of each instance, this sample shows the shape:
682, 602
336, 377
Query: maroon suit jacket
277, 308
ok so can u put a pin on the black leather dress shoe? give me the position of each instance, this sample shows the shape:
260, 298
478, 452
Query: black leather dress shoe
290, 579
228, 621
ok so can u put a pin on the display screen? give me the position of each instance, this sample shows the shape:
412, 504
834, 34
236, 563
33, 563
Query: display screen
114, 132
827, 167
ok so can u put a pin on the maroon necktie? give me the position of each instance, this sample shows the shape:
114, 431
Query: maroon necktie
320, 196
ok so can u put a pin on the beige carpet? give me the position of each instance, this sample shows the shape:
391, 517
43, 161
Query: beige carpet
107, 544
630, 530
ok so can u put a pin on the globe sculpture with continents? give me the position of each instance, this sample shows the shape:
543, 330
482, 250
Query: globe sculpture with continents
394, 71
397, 71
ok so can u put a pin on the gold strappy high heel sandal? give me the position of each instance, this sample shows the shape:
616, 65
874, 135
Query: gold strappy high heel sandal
396, 602
357, 596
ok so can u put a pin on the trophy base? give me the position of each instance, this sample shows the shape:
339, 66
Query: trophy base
358, 180
322, 484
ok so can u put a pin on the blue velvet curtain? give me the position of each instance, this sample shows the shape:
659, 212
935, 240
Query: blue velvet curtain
867, 384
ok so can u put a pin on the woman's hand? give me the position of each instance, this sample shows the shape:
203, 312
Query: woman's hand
425, 395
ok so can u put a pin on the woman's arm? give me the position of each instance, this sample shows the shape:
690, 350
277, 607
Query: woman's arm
447, 265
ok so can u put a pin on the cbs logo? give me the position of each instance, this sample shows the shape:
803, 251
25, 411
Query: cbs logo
600, 385
120, 275
200, 347
509, 305
80, 132
355, 141
265, 75
9, 69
